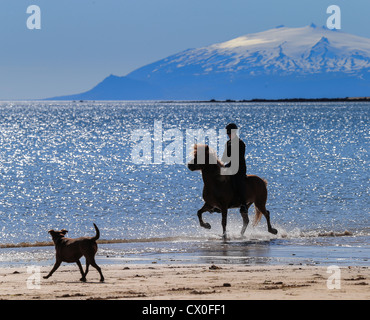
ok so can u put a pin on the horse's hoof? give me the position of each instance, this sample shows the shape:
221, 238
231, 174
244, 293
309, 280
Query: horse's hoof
207, 225
243, 231
273, 231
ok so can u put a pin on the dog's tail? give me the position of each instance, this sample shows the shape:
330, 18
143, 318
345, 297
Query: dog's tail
97, 233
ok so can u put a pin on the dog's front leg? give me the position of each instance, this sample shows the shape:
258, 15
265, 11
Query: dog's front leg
56, 266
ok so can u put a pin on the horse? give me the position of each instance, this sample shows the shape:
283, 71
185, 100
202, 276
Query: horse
218, 193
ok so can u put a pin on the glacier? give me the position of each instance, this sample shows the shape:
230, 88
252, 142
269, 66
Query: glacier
280, 63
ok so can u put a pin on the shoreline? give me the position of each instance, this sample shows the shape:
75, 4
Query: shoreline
323, 251
49, 243
187, 282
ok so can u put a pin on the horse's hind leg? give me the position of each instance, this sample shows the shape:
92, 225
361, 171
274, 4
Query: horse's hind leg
262, 209
205, 208
245, 219
266, 213
270, 229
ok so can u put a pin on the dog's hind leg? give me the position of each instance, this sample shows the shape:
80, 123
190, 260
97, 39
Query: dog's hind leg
93, 263
82, 271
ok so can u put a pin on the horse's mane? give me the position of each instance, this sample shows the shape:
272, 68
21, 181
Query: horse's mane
208, 152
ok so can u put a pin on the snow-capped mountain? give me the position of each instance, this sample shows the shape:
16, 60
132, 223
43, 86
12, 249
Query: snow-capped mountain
308, 62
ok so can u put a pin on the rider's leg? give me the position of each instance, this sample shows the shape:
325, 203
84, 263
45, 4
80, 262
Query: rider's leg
241, 189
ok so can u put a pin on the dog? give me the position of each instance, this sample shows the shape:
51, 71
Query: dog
71, 250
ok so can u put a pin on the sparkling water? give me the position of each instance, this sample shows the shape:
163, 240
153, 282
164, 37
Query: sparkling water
69, 164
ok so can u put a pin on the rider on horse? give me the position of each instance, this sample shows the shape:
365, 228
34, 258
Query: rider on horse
239, 178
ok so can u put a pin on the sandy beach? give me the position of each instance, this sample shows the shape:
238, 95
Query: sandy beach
185, 282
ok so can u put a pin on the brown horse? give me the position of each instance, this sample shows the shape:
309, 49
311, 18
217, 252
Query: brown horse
218, 193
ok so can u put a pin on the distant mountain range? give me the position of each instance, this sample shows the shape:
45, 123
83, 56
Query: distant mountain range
281, 63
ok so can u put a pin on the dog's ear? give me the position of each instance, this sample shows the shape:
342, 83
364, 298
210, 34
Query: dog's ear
50, 231
63, 231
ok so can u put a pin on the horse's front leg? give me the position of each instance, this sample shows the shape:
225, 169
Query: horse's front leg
224, 221
205, 208
245, 219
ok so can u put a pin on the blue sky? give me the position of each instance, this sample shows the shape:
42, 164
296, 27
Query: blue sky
83, 41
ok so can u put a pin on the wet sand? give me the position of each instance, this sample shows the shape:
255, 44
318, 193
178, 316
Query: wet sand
186, 282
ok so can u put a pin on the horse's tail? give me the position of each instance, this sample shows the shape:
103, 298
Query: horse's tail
260, 203
257, 216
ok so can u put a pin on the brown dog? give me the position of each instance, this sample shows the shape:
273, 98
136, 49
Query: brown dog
71, 250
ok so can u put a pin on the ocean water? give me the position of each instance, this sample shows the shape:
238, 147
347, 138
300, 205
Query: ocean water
71, 164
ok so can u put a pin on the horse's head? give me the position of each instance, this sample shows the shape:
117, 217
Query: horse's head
203, 157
